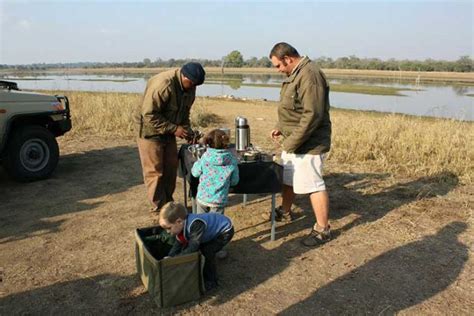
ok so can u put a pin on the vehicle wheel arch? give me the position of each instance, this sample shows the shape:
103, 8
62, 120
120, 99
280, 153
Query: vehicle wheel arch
32, 152
20, 121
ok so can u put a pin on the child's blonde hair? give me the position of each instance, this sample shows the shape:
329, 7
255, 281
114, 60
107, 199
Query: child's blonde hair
216, 139
171, 211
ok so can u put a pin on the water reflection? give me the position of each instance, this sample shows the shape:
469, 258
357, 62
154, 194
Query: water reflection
428, 99
460, 90
235, 84
260, 78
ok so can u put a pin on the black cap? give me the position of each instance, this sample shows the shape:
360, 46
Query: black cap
194, 72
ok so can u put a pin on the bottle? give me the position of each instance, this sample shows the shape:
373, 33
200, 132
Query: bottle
242, 134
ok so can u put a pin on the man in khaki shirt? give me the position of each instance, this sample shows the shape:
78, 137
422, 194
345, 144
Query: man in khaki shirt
162, 116
304, 131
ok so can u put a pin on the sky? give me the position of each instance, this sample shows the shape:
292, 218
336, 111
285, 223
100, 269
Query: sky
128, 31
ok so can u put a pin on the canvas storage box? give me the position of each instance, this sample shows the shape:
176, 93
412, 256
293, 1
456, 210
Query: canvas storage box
171, 281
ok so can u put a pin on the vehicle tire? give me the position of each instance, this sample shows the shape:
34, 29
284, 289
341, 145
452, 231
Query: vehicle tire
32, 153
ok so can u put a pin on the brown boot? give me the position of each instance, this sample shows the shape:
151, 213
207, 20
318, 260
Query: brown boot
281, 216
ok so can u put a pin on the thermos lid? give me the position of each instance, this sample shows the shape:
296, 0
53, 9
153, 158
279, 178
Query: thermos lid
240, 121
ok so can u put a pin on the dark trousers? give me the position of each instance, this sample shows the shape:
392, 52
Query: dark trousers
209, 250
159, 161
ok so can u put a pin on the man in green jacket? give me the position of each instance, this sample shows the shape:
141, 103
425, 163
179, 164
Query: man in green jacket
304, 131
162, 116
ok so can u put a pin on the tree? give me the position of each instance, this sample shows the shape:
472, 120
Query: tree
234, 59
252, 62
264, 62
147, 62
464, 64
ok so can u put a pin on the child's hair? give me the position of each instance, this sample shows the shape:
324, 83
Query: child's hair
172, 211
216, 139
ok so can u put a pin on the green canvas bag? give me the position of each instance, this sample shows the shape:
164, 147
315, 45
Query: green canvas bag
171, 281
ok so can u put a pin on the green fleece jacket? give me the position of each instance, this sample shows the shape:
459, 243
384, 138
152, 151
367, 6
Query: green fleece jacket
164, 106
303, 111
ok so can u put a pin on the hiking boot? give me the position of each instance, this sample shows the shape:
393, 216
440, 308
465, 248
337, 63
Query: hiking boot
280, 216
317, 236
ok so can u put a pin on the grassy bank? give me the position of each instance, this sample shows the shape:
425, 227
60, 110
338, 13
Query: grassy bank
383, 142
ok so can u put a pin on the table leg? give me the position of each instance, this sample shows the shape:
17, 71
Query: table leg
194, 205
183, 174
185, 192
244, 199
272, 235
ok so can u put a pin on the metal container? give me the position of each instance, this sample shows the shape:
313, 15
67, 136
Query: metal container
242, 133
250, 156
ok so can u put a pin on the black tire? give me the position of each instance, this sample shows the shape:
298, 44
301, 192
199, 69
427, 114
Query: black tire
32, 154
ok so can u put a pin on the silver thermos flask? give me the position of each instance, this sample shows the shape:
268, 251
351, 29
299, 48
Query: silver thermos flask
242, 133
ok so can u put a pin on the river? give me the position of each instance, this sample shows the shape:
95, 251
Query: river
421, 99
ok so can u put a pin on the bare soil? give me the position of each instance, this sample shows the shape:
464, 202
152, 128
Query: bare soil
401, 244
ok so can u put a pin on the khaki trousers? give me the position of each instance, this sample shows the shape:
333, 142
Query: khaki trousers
159, 161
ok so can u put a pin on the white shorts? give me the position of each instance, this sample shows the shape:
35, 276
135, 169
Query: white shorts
303, 172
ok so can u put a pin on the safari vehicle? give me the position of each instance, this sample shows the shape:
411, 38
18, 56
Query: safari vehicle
29, 125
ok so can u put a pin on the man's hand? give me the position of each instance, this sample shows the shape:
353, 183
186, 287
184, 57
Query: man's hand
181, 132
275, 134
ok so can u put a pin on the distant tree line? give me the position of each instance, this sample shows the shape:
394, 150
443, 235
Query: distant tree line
235, 59
463, 64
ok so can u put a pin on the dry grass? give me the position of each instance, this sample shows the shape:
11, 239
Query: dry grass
384, 142
202, 117
404, 144
102, 113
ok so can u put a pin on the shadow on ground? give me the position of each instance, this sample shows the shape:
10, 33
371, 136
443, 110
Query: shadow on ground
26, 207
400, 278
347, 194
104, 294
396, 280
347, 197
266, 264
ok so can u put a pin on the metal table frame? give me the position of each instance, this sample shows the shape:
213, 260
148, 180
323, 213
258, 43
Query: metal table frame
244, 200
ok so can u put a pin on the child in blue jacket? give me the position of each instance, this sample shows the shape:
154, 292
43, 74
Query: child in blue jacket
208, 233
217, 171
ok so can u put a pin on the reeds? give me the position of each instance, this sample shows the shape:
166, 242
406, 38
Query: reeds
390, 142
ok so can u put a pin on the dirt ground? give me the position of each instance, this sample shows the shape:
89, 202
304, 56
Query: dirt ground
402, 245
